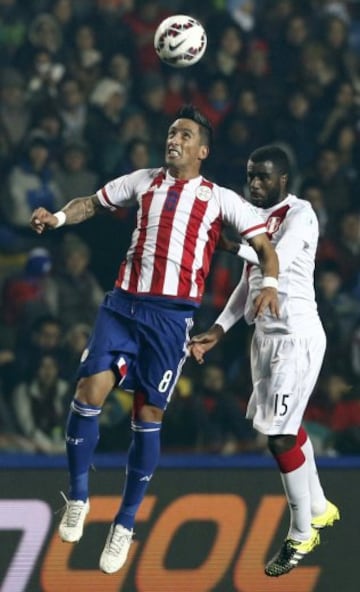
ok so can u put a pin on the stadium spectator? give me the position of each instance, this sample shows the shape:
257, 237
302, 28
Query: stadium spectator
296, 128
27, 295
77, 293
120, 68
339, 312
222, 427
85, 61
227, 54
47, 121
15, 114
72, 108
338, 189
286, 51
343, 247
137, 155
333, 416
31, 180
214, 99
40, 405
44, 78
44, 32
72, 346
142, 21
13, 24
153, 97
110, 106
43, 337
73, 175
314, 194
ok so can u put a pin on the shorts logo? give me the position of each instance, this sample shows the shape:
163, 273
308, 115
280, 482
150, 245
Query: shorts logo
84, 355
203, 193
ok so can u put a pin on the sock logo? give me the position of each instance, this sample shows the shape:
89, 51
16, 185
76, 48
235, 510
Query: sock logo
75, 441
146, 478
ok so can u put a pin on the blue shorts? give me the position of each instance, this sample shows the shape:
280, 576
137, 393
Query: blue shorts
143, 341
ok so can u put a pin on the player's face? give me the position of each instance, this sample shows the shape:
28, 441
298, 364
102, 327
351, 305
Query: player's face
184, 148
267, 186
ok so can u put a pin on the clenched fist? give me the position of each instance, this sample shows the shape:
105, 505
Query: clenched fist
42, 220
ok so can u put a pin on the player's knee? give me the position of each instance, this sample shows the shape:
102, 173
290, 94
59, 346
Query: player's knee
142, 411
93, 390
282, 443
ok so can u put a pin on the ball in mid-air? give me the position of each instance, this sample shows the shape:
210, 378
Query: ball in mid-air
180, 41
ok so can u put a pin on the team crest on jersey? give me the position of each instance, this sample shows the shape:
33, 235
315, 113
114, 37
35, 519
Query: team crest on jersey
84, 355
273, 224
203, 193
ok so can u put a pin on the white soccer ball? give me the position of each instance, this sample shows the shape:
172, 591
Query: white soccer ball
180, 41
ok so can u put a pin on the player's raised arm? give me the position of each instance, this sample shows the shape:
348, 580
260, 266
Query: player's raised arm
269, 264
76, 211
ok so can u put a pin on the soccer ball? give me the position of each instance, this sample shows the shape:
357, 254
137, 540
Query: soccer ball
180, 41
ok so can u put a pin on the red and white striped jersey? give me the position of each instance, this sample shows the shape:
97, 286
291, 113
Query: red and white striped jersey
178, 226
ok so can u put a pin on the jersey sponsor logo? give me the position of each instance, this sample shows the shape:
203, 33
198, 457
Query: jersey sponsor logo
203, 193
171, 201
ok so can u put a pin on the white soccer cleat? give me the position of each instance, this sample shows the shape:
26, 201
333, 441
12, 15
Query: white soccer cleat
116, 549
71, 526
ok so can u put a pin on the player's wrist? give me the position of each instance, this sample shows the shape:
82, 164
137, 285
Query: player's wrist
270, 282
218, 331
61, 218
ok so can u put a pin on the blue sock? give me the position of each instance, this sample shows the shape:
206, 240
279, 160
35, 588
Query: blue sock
82, 435
143, 458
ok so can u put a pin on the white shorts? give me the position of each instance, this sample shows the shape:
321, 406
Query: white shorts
284, 371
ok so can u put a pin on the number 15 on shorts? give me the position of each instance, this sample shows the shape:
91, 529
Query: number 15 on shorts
280, 404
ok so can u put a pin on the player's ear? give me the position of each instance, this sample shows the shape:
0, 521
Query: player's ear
284, 180
203, 152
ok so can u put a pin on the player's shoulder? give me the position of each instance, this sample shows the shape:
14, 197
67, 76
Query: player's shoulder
225, 192
145, 174
302, 215
300, 206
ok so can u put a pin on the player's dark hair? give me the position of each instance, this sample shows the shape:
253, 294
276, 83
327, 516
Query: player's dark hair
276, 155
206, 130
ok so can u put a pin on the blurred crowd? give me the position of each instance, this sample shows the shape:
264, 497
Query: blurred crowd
84, 98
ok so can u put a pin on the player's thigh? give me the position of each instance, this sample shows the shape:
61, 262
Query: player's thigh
163, 354
113, 345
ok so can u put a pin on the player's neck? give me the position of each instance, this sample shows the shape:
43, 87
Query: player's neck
183, 174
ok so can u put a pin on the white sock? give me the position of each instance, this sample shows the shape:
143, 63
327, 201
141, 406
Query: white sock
318, 499
296, 486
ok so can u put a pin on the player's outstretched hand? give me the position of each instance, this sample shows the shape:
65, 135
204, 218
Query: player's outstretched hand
200, 344
268, 298
41, 220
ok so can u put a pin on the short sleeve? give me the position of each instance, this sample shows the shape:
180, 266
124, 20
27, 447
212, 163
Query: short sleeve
240, 214
122, 192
